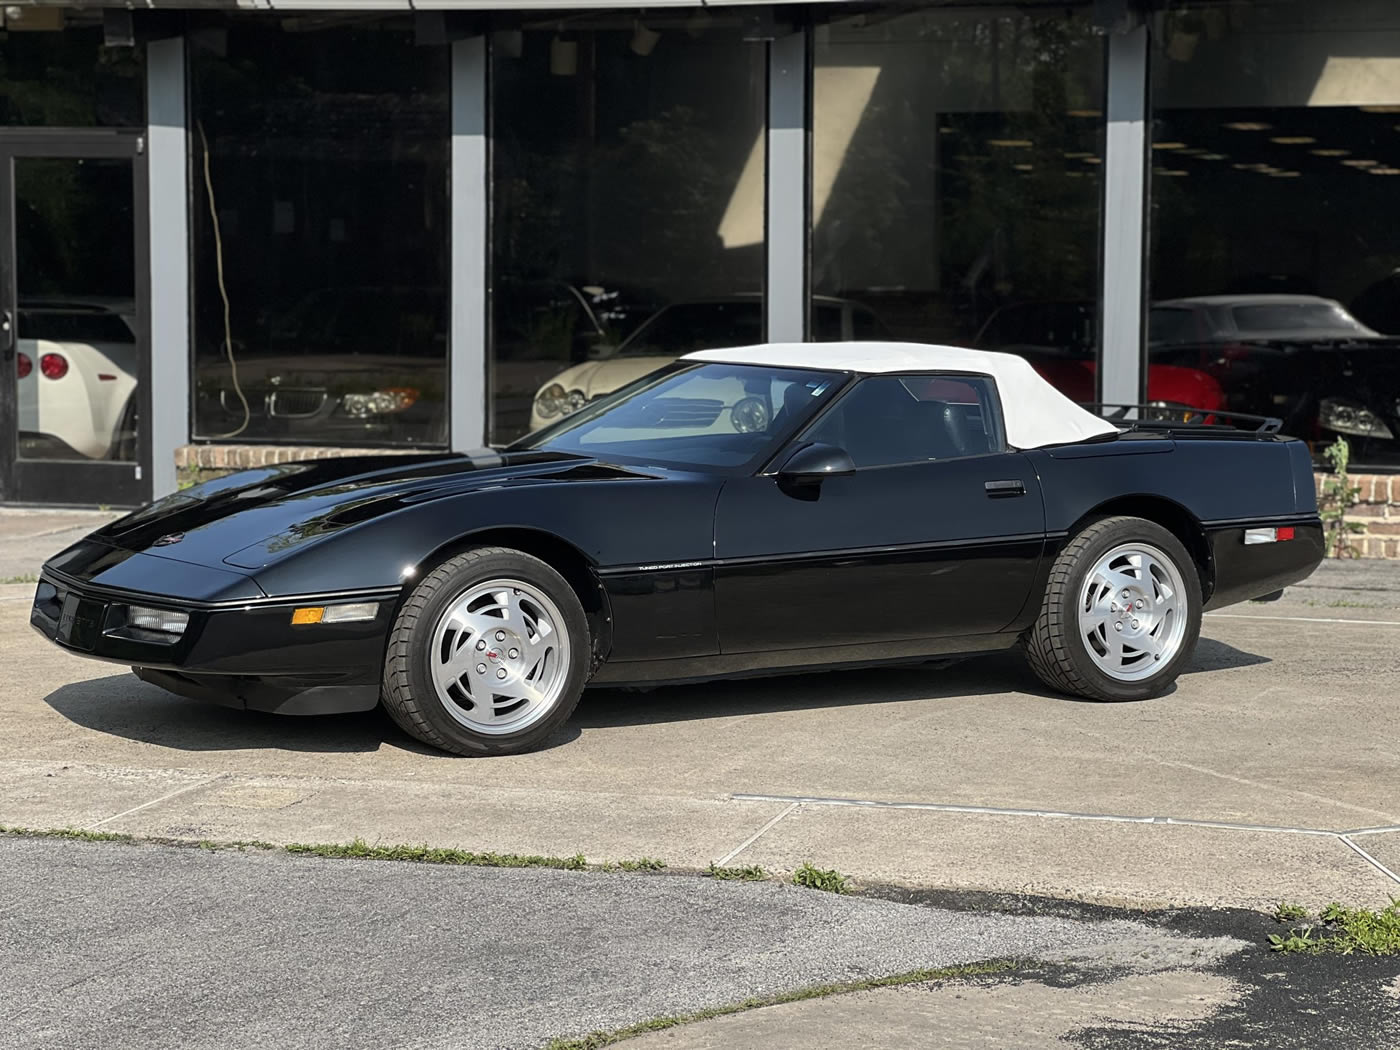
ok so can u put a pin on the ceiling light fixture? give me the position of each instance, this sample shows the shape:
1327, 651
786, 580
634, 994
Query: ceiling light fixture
1293, 140
1383, 171
1362, 163
1168, 145
1330, 152
1214, 156
1285, 174
1010, 142
1084, 112
1380, 109
1247, 125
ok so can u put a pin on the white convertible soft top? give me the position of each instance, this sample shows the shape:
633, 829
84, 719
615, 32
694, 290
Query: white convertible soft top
1036, 413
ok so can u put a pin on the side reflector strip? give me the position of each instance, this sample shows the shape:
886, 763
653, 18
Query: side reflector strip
1278, 535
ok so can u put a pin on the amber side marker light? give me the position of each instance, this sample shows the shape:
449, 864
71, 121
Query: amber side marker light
352, 612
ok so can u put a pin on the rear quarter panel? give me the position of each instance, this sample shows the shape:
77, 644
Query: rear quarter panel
1217, 481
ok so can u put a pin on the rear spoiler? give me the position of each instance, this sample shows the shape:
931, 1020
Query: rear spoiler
1172, 417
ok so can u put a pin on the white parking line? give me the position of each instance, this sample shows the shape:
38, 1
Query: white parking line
1304, 619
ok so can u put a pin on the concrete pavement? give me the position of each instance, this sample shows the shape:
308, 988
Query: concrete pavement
1268, 774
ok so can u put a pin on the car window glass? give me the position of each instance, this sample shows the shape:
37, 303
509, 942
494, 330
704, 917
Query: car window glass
1273, 317
74, 326
716, 415
888, 420
1172, 324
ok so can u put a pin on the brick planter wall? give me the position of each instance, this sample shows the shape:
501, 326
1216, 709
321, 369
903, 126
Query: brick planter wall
1379, 511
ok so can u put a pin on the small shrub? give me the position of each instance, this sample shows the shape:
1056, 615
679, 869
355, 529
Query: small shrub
830, 880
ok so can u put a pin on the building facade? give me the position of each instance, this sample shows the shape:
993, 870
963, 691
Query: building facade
254, 231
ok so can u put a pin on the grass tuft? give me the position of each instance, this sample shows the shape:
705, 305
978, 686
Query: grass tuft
597, 1040
748, 873
27, 577
81, 834
361, 850
1344, 931
827, 879
1287, 912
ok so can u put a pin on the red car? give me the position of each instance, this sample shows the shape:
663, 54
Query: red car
1058, 338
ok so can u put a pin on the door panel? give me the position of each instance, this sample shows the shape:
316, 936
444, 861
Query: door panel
73, 290
923, 550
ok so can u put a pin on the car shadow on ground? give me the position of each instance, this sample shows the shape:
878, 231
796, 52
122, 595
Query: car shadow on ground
1003, 672
124, 706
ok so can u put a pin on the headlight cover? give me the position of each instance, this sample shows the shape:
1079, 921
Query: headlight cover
1351, 417
554, 400
162, 621
378, 402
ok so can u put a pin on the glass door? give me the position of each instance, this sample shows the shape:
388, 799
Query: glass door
74, 358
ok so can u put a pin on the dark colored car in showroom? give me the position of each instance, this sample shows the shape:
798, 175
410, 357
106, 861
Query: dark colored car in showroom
1302, 358
766, 509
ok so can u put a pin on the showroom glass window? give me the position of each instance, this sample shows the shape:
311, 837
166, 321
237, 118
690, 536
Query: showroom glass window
55, 72
628, 177
1275, 263
319, 231
956, 160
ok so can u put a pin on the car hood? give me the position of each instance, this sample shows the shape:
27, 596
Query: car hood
596, 378
253, 518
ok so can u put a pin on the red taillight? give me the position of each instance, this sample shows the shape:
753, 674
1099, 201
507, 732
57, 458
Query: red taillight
1284, 533
54, 366
26, 365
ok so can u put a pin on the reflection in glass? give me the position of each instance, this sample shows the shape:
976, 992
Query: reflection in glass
1275, 268
55, 72
76, 355
628, 176
327, 168
955, 180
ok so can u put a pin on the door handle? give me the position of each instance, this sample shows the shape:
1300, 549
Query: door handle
7, 333
1014, 487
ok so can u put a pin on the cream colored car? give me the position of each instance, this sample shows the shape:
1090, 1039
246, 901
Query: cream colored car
681, 328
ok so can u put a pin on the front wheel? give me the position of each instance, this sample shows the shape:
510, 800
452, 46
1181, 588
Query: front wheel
489, 654
1121, 615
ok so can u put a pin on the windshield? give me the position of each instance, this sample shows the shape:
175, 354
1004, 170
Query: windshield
693, 415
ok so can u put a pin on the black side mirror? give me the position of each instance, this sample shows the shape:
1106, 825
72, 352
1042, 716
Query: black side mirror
814, 463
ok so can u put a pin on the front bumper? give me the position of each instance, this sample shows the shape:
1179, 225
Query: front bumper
241, 654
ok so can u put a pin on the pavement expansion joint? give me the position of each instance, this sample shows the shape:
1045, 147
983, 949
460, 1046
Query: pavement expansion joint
184, 790
1050, 814
755, 836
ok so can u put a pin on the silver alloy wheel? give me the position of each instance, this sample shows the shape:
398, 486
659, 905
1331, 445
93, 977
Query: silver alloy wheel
1132, 613
500, 657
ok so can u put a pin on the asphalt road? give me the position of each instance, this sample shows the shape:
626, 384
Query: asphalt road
112, 945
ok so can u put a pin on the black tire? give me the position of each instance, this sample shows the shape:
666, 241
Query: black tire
409, 694
1056, 650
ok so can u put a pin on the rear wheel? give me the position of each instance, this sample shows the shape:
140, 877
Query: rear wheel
489, 654
1121, 615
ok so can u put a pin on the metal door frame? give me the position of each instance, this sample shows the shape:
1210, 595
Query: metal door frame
70, 482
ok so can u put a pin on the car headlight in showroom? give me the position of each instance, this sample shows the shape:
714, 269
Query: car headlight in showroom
1351, 417
554, 400
378, 402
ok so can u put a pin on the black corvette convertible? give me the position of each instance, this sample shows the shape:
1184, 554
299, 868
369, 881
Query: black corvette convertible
737, 512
